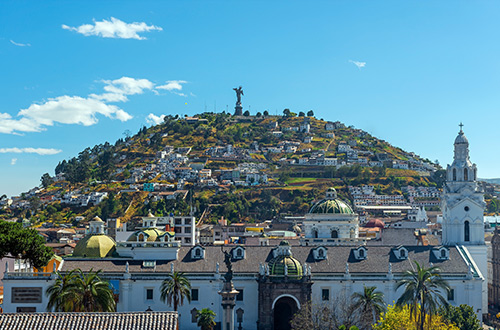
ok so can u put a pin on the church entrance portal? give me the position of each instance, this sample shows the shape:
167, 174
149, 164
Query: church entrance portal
284, 309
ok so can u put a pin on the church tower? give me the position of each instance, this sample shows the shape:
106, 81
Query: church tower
463, 207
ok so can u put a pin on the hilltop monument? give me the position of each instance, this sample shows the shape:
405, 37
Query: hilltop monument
238, 109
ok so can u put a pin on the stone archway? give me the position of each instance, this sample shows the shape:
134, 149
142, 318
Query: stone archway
283, 311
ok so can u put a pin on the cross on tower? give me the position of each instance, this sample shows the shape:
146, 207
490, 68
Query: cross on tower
461, 125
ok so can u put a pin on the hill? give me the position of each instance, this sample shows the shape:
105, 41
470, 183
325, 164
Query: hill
244, 168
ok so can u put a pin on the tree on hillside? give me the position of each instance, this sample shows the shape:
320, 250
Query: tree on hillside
286, 112
301, 114
246, 113
423, 289
266, 113
46, 180
20, 243
310, 113
258, 114
175, 289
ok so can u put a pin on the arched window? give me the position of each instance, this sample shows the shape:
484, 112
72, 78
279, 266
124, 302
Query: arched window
141, 237
475, 174
443, 253
239, 252
198, 252
454, 174
402, 253
335, 234
466, 231
321, 253
362, 253
315, 233
466, 175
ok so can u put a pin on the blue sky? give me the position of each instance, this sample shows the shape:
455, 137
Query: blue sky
75, 74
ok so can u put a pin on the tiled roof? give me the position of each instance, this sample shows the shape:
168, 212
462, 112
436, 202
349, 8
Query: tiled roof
86, 321
377, 261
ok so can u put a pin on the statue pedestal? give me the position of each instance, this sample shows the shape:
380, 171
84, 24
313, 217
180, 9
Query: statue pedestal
238, 110
228, 294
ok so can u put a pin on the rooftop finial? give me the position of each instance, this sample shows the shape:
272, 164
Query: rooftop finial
461, 125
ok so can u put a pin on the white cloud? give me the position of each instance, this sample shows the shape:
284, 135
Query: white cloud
19, 44
172, 85
114, 28
154, 120
358, 64
71, 110
13, 161
40, 151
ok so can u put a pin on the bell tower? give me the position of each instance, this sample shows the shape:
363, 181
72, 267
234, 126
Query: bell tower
463, 207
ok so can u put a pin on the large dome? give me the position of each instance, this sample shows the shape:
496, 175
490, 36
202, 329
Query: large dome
95, 246
331, 206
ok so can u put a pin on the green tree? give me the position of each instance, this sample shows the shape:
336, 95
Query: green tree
286, 112
80, 292
423, 292
205, 319
19, 243
266, 113
246, 113
310, 113
174, 289
369, 302
462, 316
46, 180
301, 114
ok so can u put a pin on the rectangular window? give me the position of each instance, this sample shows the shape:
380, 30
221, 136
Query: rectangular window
178, 221
451, 294
187, 230
149, 294
239, 297
194, 294
325, 294
177, 230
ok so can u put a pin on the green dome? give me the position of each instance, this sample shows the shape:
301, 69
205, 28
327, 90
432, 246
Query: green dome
152, 235
331, 206
277, 266
94, 246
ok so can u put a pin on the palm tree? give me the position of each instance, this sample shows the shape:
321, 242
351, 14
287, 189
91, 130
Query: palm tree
58, 292
175, 288
423, 288
91, 294
206, 319
369, 301
79, 292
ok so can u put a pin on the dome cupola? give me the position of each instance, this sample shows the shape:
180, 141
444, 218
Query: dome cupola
331, 204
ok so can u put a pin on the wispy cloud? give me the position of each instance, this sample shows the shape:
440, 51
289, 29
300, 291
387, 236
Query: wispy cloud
114, 28
154, 120
13, 161
173, 86
39, 151
19, 44
358, 64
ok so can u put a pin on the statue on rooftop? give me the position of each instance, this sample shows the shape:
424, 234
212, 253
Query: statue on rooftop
228, 277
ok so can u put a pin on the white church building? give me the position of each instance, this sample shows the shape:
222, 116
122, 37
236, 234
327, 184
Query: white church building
274, 282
